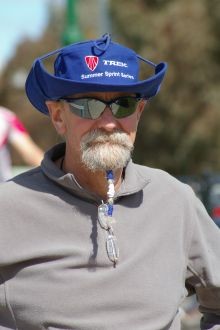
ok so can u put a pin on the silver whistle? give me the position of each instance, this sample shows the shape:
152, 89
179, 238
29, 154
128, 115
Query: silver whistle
112, 248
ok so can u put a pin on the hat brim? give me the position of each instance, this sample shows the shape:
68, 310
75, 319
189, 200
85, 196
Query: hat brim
42, 86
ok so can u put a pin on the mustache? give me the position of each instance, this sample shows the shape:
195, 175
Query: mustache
99, 136
103, 150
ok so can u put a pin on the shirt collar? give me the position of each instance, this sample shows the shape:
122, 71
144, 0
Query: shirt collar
133, 181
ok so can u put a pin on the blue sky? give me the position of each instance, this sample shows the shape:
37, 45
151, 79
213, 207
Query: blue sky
19, 19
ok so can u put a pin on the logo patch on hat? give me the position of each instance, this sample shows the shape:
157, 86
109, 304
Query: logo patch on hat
91, 62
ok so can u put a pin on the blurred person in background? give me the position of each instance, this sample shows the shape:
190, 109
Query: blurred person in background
13, 133
64, 222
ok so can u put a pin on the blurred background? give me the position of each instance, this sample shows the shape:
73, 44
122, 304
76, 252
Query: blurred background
180, 129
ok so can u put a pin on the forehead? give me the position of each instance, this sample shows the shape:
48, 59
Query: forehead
102, 95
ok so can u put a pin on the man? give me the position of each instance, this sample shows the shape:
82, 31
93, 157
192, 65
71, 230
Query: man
90, 240
13, 133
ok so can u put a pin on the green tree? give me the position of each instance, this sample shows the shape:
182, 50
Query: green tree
180, 128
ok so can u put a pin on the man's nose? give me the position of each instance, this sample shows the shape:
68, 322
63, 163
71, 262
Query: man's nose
107, 120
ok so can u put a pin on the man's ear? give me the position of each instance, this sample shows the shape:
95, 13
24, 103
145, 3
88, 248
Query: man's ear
56, 111
141, 107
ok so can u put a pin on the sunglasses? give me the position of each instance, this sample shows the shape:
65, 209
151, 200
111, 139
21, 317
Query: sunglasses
92, 108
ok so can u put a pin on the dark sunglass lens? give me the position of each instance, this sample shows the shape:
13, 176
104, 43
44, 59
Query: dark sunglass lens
126, 106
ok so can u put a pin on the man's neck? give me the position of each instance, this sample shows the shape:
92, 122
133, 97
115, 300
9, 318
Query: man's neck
94, 182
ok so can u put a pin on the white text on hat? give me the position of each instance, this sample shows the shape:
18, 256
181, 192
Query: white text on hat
115, 63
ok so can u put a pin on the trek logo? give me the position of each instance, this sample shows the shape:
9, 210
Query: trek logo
115, 63
91, 62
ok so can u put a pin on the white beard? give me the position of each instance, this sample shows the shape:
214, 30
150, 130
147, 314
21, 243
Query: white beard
102, 151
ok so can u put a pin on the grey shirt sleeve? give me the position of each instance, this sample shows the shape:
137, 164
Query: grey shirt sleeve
203, 271
7, 321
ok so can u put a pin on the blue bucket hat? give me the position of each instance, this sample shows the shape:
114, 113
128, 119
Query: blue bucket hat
91, 66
